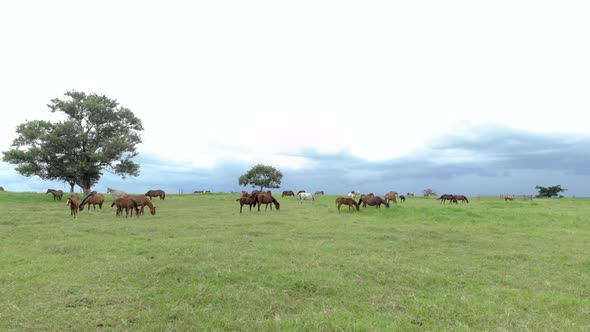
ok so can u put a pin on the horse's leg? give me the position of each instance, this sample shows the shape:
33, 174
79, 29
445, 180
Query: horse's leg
241, 207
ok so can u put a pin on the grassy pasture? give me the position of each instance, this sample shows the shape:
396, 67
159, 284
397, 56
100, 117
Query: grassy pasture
200, 265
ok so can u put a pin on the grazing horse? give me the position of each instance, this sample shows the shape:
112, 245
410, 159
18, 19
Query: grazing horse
410, 194
73, 204
320, 192
288, 193
372, 201
127, 204
306, 197
117, 193
508, 198
402, 198
446, 197
346, 201
391, 196
461, 198
57, 194
266, 198
156, 193
94, 198
247, 200
141, 201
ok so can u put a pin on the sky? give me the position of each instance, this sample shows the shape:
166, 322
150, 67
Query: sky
472, 97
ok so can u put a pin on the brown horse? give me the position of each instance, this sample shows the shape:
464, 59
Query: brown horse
142, 201
391, 196
73, 204
127, 204
446, 197
266, 198
461, 198
57, 194
372, 201
346, 201
156, 193
288, 193
508, 198
247, 200
94, 198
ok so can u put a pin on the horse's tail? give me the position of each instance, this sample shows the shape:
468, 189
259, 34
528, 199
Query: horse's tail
114, 202
163, 194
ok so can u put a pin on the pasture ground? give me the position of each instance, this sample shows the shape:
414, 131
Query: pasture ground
200, 265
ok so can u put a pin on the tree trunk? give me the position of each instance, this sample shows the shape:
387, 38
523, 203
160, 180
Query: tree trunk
72, 184
87, 186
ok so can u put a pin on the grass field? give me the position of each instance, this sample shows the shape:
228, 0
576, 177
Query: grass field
200, 265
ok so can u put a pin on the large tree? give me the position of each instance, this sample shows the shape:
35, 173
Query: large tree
262, 176
97, 134
549, 191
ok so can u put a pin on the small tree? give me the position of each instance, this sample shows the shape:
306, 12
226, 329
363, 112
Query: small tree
550, 191
428, 192
263, 176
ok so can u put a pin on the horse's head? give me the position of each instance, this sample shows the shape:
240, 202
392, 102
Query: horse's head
153, 210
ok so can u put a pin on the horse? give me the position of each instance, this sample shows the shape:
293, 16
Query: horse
156, 193
320, 192
57, 194
73, 204
300, 191
248, 200
1, 188
266, 198
372, 201
288, 193
94, 198
353, 194
125, 203
117, 193
461, 198
402, 198
391, 196
306, 197
141, 201
410, 194
346, 201
446, 197
508, 198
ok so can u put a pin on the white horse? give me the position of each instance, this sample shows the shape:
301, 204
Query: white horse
117, 193
306, 197
353, 194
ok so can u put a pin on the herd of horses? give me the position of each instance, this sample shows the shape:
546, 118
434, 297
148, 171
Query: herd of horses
257, 197
128, 204
122, 200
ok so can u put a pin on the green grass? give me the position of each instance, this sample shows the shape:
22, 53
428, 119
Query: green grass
200, 265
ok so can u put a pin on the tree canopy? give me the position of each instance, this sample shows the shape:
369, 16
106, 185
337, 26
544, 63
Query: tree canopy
96, 135
549, 191
262, 176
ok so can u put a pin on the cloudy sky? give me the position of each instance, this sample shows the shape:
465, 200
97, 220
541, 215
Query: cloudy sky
459, 96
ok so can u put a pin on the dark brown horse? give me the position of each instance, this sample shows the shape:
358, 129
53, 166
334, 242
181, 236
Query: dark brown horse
372, 201
346, 201
288, 193
248, 200
94, 198
57, 194
446, 197
156, 193
266, 198
461, 198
